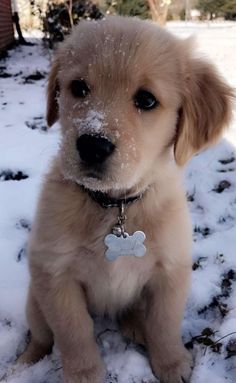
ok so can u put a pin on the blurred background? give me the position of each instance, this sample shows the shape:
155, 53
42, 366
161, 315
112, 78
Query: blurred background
55, 18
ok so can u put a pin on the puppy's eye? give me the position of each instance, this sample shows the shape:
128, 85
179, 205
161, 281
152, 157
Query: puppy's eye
79, 88
145, 100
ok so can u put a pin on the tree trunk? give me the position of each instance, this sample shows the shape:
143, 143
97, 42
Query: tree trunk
15, 18
159, 10
69, 7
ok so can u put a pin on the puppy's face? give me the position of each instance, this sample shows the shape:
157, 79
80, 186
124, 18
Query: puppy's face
120, 88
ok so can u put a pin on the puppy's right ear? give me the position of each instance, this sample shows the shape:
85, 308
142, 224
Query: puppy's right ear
52, 95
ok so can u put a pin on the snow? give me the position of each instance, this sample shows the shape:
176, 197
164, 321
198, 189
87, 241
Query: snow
26, 147
92, 123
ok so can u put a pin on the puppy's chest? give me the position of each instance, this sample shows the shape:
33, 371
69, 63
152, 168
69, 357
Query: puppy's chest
112, 285
112, 279
118, 285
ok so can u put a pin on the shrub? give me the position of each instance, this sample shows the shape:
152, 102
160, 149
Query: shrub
59, 18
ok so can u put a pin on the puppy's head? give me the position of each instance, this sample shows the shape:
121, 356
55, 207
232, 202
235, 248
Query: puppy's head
127, 93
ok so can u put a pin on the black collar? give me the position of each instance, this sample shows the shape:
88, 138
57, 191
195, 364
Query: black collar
105, 201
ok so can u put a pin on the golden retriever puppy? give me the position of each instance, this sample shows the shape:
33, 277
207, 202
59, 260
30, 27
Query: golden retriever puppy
112, 232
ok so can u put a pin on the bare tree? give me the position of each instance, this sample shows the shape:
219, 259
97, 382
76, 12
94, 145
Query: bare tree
69, 6
16, 21
159, 10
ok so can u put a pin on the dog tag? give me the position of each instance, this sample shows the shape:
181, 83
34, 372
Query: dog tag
125, 245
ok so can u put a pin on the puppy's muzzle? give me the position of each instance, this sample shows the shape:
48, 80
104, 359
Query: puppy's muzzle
93, 149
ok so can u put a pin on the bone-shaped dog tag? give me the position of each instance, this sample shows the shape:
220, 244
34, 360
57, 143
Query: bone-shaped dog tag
125, 245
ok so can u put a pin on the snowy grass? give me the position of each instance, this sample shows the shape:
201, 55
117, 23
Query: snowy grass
25, 151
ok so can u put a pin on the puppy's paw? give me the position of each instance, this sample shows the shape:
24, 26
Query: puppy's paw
94, 374
33, 353
178, 369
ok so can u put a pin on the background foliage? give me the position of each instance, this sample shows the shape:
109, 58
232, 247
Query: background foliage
59, 16
216, 8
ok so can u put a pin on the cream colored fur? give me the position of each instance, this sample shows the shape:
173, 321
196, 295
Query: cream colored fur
70, 276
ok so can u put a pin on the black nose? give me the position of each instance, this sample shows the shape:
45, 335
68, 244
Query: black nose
94, 149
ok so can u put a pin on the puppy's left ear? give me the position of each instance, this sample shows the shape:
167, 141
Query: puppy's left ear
206, 109
52, 95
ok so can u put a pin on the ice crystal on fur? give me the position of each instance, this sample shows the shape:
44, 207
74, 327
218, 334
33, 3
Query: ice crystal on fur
94, 122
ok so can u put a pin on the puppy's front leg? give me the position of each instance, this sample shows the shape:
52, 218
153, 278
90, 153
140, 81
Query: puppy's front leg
170, 361
64, 306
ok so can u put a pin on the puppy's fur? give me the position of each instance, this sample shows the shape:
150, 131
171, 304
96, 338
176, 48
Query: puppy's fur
70, 276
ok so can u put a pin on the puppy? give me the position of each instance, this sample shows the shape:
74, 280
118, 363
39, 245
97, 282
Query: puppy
134, 105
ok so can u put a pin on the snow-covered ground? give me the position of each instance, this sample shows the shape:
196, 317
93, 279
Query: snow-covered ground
209, 328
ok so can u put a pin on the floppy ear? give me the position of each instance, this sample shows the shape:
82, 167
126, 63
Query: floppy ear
205, 110
52, 114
